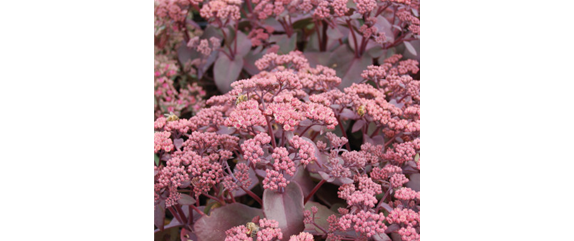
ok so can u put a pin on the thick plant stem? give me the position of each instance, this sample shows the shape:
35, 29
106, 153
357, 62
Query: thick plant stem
314, 190
344, 133
354, 38
251, 194
197, 210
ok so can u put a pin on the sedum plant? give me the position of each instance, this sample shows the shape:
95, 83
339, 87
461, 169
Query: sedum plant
286, 120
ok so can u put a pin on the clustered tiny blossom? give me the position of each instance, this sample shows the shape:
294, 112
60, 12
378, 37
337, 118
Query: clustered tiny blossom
162, 142
407, 194
269, 230
252, 148
303, 236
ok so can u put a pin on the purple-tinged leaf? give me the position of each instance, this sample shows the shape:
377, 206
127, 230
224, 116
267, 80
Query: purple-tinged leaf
250, 58
415, 12
345, 180
186, 200
286, 208
159, 215
383, 25
386, 207
224, 130
415, 182
261, 173
358, 125
213, 227
178, 143
226, 71
243, 45
334, 33
348, 67
378, 140
170, 234
393, 227
381, 237
305, 122
410, 48
286, 44
320, 217
303, 178
326, 176
315, 58
349, 114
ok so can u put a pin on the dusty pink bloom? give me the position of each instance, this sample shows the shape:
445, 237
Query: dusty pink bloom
303, 236
398, 180
274, 180
203, 47
285, 114
282, 162
403, 216
402, 152
364, 6
366, 223
406, 193
159, 123
258, 36
322, 10
245, 115
269, 230
221, 9
385, 172
340, 7
237, 233
409, 234
294, 58
252, 148
306, 150
320, 114
372, 153
162, 142
335, 140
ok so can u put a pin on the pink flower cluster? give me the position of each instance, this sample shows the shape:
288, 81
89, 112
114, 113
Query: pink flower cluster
402, 152
294, 59
246, 114
253, 148
221, 9
169, 99
364, 222
407, 194
204, 46
238, 233
162, 142
306, 150
364, 197
303, 236
260, 35
385, 173
269, 230
240, 178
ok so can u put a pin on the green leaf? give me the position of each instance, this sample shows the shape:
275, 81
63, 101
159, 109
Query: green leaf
156, 159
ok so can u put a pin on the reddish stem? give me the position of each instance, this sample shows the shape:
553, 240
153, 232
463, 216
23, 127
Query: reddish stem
197, 210
314, 190
251, 194
344, 133
354, 38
